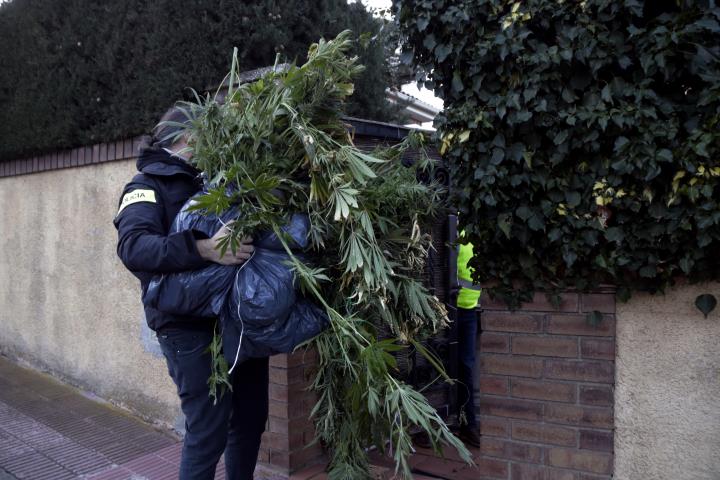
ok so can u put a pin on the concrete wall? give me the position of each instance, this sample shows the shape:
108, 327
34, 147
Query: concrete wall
667, 398
67, 304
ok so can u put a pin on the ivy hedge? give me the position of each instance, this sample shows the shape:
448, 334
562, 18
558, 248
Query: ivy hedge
583, 137
81, 71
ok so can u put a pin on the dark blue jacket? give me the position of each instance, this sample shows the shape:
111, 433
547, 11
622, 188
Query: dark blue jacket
259, 309
146, 211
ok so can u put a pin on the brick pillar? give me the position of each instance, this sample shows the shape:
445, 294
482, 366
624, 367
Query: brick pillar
285, 446
546, 389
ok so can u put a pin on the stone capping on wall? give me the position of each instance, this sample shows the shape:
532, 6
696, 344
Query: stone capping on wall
127, 149
547, 388
98, 153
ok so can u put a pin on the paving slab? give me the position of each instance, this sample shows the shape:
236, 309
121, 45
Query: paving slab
52, 431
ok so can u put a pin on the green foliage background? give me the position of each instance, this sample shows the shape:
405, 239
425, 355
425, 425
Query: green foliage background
79, 71
584, 137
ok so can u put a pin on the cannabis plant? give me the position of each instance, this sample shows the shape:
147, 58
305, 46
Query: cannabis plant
278, 146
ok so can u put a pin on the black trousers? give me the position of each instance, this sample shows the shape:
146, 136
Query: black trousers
232, 426
467, 322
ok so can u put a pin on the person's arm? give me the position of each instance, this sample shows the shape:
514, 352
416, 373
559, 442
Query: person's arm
143, 244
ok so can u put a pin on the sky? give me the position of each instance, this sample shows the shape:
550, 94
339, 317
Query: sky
423, 94
377, 3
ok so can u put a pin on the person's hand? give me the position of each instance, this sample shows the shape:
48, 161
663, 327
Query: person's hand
209, 249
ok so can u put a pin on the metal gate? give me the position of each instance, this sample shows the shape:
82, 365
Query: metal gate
440, 277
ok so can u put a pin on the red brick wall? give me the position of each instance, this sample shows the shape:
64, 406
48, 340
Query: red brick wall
546, 382
289, 433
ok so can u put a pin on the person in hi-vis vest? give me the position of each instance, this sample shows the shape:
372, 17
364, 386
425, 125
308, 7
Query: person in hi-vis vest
467, 327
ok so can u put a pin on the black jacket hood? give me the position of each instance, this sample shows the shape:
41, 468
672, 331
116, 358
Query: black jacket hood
160, 162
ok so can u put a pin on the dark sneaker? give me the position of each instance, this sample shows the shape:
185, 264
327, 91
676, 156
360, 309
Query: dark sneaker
470, 436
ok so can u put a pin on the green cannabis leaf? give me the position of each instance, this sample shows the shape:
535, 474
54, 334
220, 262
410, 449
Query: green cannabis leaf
278, 146
219, 380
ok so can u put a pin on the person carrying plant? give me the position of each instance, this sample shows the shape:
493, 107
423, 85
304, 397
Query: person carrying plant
146, 211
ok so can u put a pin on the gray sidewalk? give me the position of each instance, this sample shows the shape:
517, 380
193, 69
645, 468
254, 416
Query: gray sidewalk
51, 431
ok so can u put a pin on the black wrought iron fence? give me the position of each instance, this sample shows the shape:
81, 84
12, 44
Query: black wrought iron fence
439, 276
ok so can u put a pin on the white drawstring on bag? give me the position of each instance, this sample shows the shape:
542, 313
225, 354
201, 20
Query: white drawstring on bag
242, 324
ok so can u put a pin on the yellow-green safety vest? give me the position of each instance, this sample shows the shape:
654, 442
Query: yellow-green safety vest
469, 294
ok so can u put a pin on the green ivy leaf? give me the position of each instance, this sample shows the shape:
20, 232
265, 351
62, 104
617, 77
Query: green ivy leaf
561, 137
442, 51
573, 199
606, 95
523, 212
594, 184
569, 256
623, 294
594, 318
665, 155
497, 156
648, 271
686, 264
457, 84
620, 143
505, 223
528, 158
430, 42
614, 234
706, 303
536, 223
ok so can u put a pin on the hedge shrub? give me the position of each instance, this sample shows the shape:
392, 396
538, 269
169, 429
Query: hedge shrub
79, 71
583, 137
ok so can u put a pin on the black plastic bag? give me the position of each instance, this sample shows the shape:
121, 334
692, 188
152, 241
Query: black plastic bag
260, 311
